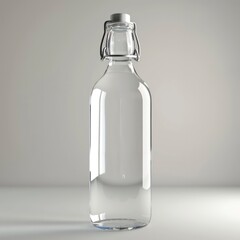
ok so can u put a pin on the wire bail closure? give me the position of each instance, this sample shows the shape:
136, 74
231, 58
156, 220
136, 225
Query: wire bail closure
103, 50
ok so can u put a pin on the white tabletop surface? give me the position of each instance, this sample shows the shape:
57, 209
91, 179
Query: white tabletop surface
62, 213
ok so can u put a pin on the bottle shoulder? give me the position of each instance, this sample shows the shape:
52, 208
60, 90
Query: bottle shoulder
120, 82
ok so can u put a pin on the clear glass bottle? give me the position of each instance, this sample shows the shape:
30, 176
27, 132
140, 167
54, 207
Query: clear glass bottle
120, 138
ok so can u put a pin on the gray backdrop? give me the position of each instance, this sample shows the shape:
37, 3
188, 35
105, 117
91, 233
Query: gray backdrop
49, 61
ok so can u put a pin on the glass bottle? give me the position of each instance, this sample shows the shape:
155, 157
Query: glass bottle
120, 134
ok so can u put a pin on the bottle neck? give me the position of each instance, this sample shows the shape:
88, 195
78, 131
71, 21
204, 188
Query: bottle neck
123, 66
119, 41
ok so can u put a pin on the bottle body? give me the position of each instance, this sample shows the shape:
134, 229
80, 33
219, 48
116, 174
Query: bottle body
120, 149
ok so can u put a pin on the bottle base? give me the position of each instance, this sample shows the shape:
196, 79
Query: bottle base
119, 224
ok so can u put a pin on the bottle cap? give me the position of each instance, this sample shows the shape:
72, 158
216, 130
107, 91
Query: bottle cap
120, 17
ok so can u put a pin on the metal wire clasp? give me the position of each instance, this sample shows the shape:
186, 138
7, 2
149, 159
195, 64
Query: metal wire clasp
105, 38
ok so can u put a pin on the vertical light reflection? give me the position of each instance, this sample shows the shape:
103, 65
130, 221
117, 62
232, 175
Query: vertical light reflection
146, 136
97, 138
102, 134
94, 135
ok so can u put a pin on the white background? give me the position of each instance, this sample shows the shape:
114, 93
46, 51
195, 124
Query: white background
49, 61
